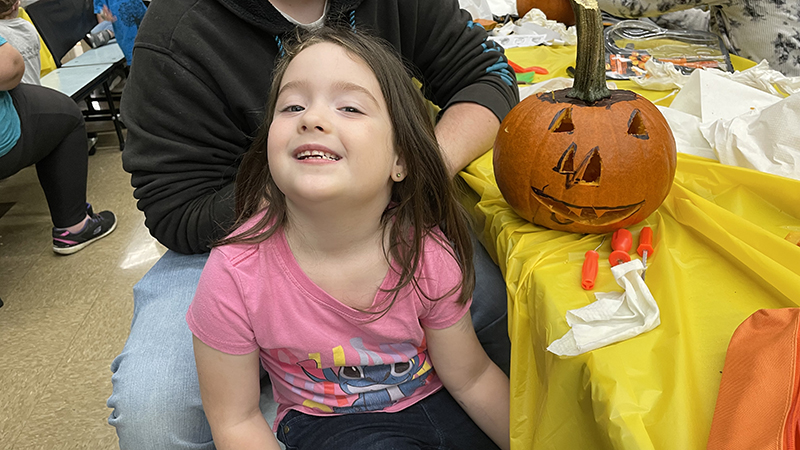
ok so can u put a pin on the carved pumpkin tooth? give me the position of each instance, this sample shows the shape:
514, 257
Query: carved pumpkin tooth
599, 212
575, 210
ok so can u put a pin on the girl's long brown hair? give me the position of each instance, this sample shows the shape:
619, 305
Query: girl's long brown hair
426, 198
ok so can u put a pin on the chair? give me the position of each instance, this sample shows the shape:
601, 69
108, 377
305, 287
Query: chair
62, 23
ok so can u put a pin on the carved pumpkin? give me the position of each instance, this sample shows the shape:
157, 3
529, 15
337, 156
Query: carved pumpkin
585, 159
558, 10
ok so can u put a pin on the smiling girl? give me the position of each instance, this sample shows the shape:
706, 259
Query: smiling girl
352, 288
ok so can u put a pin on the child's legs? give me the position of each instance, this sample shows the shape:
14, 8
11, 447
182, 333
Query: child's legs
437, 422
54, 138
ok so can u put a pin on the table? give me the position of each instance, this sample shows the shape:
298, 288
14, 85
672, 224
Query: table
110, 53
720, 255
80, 76
72, 81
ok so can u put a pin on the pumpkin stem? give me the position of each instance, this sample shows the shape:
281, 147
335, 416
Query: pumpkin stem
590, 66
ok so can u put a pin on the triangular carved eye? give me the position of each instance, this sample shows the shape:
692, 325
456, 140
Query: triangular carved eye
636, 125
589, 171
562, 122
567, 162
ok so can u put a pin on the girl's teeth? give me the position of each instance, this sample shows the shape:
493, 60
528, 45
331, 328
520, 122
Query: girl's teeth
316, 154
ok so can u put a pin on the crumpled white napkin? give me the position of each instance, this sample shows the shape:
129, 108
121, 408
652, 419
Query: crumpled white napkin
568, 35
503, 7
485, 9
614, 317
478, 9
661, 76
534, 28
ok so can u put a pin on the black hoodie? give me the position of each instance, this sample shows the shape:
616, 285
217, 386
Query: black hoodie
197, 91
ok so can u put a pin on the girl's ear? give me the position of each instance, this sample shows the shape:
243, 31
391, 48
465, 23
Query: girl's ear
399, 169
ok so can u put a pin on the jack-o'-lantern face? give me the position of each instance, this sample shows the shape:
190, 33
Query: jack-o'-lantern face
593, 168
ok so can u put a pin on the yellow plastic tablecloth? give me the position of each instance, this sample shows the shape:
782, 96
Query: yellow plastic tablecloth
720, 255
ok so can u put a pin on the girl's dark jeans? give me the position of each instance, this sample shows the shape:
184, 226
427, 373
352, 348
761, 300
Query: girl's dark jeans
436, 422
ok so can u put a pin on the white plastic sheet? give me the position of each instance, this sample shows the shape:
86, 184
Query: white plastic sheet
767, 140
726, 118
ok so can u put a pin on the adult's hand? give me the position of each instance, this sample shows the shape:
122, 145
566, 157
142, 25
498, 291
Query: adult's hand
12, 67
465, 132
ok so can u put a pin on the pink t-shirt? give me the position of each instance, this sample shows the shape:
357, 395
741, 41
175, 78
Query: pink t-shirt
324, 357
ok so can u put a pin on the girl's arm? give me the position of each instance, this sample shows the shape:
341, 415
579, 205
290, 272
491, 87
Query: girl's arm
479, 386
230, 389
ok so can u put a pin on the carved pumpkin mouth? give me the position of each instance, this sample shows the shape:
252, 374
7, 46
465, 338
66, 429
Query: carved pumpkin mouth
565, 213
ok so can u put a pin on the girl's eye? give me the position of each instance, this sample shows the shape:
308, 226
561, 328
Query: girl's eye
292, 108
351, 109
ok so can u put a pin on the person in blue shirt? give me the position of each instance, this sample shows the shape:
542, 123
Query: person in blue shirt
125, 17
44, 127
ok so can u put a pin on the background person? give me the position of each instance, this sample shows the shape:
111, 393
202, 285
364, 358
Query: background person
125, 17
22, 35
44, 127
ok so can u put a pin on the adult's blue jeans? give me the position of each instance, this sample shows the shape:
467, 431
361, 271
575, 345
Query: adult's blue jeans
436, 422
156, 398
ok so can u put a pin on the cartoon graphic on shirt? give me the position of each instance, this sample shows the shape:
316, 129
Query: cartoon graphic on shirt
379, 386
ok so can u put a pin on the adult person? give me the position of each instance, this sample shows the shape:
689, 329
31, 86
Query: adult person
194, 101
22, 35
44, 127
754, 29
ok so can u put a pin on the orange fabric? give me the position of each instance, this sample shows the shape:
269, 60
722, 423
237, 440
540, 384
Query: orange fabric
756, 406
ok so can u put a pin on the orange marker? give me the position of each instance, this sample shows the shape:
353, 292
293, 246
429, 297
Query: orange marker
645, 246
589, 271
621, 242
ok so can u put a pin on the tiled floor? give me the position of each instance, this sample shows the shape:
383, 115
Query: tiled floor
65, 317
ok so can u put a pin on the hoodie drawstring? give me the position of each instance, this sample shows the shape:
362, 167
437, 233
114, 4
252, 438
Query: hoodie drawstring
353, 20
281, 51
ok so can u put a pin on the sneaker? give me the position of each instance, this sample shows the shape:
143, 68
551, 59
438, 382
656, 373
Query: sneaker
98, 39
98, 226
